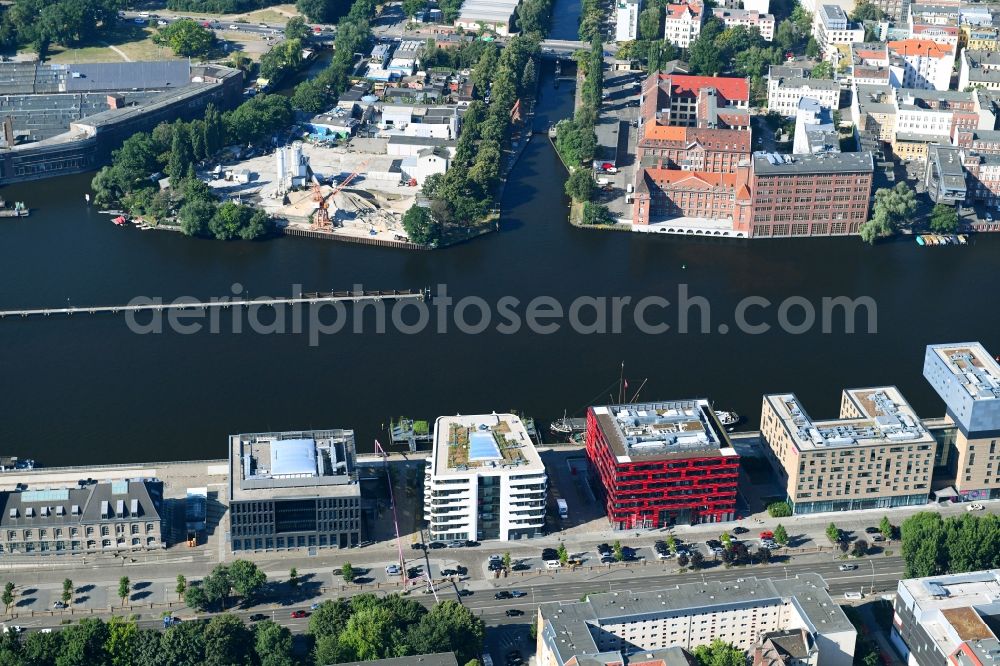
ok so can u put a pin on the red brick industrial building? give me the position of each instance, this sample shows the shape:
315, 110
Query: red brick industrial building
662, 463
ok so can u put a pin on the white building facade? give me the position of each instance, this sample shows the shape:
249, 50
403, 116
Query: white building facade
749, 18
627, 20
484, 480
683, 23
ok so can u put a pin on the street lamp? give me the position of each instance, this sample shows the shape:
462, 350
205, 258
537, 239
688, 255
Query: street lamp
872, 562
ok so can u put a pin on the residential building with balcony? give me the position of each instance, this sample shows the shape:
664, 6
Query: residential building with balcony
947, 619
944, 176
832, 27
924, 63
877, 454
290, 490
661, 463
967, 378
627, 20
810, 195
484, 480
748, 18
85, 518
784, 617
979, 69
683, 22
786, 86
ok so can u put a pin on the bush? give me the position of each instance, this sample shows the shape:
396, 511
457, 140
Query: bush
779, 509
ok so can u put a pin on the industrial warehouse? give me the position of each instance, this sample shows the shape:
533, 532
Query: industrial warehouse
64, 119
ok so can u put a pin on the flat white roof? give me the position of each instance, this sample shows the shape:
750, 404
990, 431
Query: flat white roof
975, 369
483, 443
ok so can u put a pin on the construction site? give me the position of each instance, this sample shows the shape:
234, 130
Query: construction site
350, 190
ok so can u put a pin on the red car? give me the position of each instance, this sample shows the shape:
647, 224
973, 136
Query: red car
298, 614
767, 534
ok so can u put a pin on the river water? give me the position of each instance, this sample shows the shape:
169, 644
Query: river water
86, 389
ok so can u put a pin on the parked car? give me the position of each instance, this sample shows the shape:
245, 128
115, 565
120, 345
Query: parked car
854, 595
976, 506
449, 572
298, 614
503, 594
767, 534
878, 537
739, 530
848, 567
604, 549
313, 606
517, 594
434, 545
871, 530
257, 617
59, 605
456, 544
607, 559
514, 612
393, 569
552, 564
495, 558
417, 546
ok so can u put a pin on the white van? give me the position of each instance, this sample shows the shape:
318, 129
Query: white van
552, 564
854, 596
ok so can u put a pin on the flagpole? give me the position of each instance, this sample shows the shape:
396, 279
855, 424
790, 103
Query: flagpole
395, 517
621, 377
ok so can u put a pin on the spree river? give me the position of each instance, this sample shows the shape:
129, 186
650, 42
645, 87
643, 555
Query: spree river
86, 389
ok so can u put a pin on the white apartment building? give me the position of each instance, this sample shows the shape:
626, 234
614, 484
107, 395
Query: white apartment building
831, 27
749, 18
925, 64
747, 613
683, 23
916, 118
627, 20
786, 86
979, 69
484, 480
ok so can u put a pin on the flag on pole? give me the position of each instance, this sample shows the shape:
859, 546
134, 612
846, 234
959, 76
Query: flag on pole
626, 384
379, 449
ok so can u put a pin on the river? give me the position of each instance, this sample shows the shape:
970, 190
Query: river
84, 389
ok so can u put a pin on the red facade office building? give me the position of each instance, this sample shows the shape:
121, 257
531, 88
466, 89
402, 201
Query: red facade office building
662, 463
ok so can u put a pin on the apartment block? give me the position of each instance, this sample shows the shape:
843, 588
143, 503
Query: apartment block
810, 195
695, 101
924, 63
948, 619
979, 69
693, 148
981, 39
874, 110
832, 27
938, 23
876, 454
786, 86
924, 118
290, 490
627, 20
869, 64
747, 18
484, 480
814, 130
683, 23
984, 184
662, 463
754, 614
967, 378
83, 518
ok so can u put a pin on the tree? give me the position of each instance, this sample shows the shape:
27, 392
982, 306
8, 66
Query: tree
671, 543
764, 555
812, 48
421, 227
83, 643
618, 551
448, 627
785, 35
181, 586
8, 596
885, 527
892, 206
944, 219
597, 213
194, 217
697, 559
67, 591
181, 157
562, 553
683, 560
832, 533
866, 11
124, 589
347, 571
859, 548
780, 535
727, 541
293, 580
506, 562
779, 509
823, 70
186, 37
296, 28
370, 634
273, 644
122, 639
580, 185
227, 641
925, 550
719, 653
183, 643
703, 55
651, 23
247, 579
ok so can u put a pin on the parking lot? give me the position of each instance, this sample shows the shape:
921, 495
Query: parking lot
617, 132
